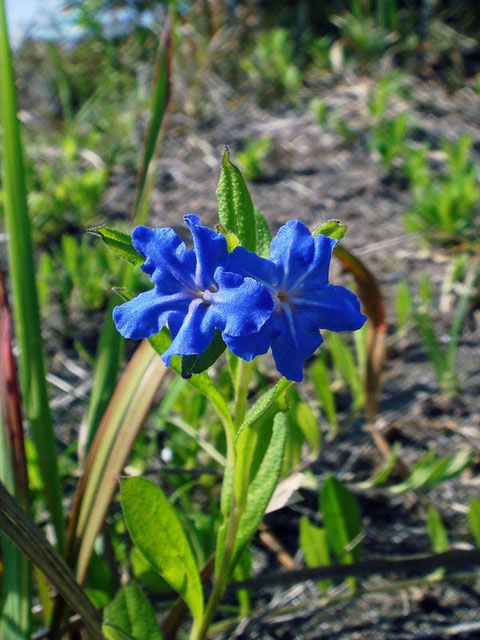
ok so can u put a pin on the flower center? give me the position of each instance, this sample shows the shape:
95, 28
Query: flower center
203, 294
283, 298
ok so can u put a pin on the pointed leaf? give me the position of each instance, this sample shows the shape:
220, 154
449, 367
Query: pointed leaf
341, 518
252, 437
235, 206
197, 364
118, 242
436, 530
314, 544
157, 531
474, 519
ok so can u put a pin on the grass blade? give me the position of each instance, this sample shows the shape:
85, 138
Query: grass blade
159, 103
25, 535
22, 276
16, 584
115, 437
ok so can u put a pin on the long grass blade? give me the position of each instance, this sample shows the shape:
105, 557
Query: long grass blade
25, 299
159, 103
16, 584
25, 535
113, 442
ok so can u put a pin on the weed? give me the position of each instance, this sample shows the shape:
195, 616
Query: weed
252, 158
270, 68
445, 203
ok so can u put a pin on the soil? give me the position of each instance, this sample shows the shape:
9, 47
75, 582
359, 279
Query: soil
314, 175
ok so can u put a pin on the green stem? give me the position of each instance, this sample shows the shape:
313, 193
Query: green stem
242, 378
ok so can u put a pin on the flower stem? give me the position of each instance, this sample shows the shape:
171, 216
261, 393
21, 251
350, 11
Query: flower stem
242, 378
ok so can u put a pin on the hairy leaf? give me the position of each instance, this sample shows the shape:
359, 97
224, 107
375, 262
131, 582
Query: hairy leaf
235, 206
157, 531
263, 233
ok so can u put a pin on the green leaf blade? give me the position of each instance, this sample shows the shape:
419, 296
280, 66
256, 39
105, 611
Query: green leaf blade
235, 206
118, 242
341, 518
263, 235
156, 530
130, 615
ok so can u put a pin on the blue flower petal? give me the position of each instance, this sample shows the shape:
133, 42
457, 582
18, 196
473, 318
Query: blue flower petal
147, 314
293, 248
334, 308
249, 347
192, 333
248, 264
210, 249
167, 260
298, 340
241, 306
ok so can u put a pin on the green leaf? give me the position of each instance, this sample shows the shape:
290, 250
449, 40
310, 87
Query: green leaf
308, 424
341, 518
157, 531
383, 474
474, 519
230, 237
436, 530
263, 233
197, 364
321, 384
344, 363
118, 242
235, 206
146, 574
332, 229
113, 632
432, 469
252, 441
131, 613
314, 544
100, 588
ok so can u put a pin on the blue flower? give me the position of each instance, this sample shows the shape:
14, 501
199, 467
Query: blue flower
193, 294
296, 274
